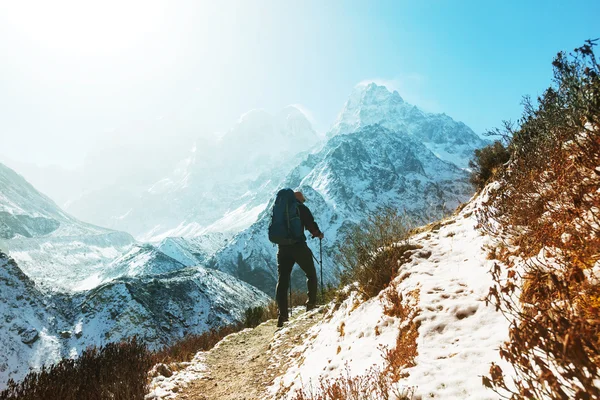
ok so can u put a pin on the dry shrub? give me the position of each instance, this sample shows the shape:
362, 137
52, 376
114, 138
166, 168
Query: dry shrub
187, 347
254, 316
374, 384
299, 298
115, 371
393, 301
403, 355
486, 163
548, 203
373, 251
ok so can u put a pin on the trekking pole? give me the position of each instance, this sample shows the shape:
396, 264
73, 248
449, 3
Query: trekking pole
290, 305
321, 263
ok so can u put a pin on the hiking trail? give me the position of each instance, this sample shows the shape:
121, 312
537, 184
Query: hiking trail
244, 364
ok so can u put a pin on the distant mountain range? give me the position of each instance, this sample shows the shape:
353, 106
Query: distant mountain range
217, 187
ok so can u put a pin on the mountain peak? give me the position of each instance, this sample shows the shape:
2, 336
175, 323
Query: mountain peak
371, 103
372, 92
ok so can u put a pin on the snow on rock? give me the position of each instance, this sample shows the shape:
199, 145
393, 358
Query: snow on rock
193, 251
167, 387
371, 104
458, 336
27, 321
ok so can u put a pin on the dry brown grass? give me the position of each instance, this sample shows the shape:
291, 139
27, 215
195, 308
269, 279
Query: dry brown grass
374, 384
403, 355
374, 251
116, 371
549, 205
187, 347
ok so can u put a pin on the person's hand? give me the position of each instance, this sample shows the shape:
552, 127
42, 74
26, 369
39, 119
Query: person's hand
320, 235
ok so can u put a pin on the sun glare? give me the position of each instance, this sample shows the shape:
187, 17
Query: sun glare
98, 27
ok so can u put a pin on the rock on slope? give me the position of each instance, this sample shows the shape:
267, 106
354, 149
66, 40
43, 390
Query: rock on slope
345, 182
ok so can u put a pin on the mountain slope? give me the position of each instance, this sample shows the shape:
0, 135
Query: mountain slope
193, 251
28, 332
25, 212
160, 308
40, 329
52, 248
348, 179
373, 104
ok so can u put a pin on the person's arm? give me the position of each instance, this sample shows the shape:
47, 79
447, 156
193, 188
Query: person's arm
309, 222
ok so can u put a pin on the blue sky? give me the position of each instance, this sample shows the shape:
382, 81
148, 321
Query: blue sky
77, 76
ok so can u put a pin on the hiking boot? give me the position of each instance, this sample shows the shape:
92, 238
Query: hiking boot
310, 307
281, 321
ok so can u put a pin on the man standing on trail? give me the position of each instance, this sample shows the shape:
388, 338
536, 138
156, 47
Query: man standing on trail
290, 218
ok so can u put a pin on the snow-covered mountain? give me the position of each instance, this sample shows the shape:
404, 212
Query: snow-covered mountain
219, 186
40, 329
29, 328
27, 213
348, 179
140, 260
194, 251
374, 104
54, 249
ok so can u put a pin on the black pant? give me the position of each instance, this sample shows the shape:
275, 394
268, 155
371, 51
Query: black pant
286, 257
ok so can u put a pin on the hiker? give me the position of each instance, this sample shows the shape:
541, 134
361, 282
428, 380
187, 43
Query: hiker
290, 218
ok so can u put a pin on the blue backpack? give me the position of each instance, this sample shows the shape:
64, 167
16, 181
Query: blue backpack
285, 227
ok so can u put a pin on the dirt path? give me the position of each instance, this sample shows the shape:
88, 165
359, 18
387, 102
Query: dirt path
243, 365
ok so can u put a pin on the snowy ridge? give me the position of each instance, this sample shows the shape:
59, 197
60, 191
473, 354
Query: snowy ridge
140, 260
458, 334
344, 182
193, 251
373, 104
26, 213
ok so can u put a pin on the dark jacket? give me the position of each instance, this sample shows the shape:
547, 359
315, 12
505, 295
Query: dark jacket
308, 221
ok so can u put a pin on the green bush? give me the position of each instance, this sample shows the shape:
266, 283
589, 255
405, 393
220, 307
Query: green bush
486, 161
